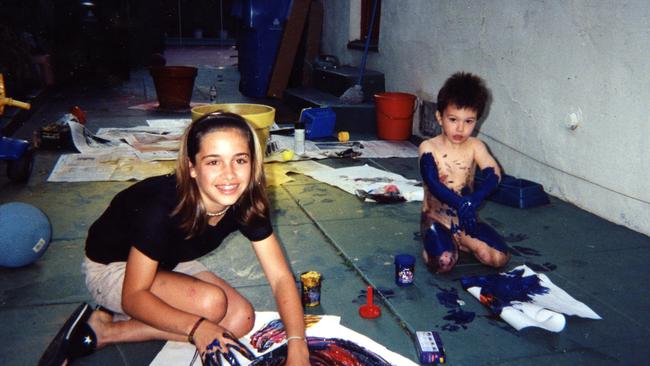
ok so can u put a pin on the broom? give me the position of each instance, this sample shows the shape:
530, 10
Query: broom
354, 95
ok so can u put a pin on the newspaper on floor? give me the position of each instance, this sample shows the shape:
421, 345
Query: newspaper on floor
120, 154
106, 167
335, 149
88, 143
524, 298
326, 337
361, 178
159, 142
139, 152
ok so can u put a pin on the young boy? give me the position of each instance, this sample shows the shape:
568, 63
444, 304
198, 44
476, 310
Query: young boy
447, 164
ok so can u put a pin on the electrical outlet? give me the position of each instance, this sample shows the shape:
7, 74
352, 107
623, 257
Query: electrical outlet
575, 119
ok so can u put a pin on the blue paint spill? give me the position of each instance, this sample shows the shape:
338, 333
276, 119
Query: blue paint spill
388, 293
545, 267
515, 238
448, 297
550, 266
361, 297
527, 251
500, 290
456, 317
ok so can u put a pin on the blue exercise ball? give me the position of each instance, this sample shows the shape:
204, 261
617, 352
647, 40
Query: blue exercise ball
25, 234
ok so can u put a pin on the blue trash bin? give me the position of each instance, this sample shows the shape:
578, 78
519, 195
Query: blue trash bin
258, 42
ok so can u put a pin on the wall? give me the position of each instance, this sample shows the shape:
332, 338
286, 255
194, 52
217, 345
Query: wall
570, 83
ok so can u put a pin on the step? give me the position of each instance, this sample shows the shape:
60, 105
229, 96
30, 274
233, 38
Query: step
336, 80
356, 118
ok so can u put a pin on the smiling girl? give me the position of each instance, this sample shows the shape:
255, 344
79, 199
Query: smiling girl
141, 254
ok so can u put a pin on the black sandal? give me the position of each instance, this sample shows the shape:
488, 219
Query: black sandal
75, 339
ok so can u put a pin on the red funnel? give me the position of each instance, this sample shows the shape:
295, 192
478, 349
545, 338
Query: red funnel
369, 310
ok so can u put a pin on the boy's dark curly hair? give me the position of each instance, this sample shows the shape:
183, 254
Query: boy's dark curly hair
463, 90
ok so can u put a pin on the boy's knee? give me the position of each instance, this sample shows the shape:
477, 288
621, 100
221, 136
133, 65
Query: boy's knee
501, 259
440, 264
493, 258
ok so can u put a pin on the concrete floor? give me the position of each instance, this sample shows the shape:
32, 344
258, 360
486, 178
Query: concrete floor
350, 242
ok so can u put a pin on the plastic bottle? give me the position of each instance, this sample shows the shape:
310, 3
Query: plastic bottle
299, 138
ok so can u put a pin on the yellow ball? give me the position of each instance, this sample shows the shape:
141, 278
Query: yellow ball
287, 155
344, 136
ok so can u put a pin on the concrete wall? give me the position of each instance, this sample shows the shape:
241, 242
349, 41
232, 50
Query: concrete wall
570, 82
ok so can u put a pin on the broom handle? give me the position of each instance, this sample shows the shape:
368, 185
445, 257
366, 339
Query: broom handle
362, 68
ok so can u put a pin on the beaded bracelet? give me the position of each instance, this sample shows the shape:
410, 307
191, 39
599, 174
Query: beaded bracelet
190, 337
296, 337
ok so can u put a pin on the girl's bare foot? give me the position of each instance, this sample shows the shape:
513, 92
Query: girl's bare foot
100, 322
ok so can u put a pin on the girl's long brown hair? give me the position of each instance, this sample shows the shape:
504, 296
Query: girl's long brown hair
253, 203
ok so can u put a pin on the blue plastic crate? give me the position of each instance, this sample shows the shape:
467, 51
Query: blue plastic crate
319, 122
516, 192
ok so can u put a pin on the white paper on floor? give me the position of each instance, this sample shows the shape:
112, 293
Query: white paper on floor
327, 149
120, 154
524, 298
364, 178
325, 326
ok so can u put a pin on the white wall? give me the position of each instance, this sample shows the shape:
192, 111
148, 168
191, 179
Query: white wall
543, 61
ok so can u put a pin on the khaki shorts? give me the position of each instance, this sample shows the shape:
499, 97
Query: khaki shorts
104, 281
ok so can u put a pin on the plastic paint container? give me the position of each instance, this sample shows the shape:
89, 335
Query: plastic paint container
310, 284
404, 269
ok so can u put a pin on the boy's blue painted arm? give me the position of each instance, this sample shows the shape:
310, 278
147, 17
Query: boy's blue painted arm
429, 172
464, 206
490, 183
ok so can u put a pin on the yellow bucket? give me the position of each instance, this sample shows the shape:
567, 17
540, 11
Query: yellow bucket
260, 116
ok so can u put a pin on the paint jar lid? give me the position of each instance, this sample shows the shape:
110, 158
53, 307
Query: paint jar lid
404, 259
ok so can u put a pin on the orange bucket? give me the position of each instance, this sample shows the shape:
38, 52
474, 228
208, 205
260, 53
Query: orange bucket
394, 115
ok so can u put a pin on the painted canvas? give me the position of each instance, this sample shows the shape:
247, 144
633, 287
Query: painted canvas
330, 344
524, 298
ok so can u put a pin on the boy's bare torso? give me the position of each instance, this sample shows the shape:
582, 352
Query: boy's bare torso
456, 166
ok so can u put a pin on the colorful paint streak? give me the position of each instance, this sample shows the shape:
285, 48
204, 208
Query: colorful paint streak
456, 317
500, 290
273, 332
326, 352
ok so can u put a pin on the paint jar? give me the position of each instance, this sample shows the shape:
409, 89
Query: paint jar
310, 284
404, 269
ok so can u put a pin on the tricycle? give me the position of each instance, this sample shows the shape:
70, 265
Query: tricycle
18, 153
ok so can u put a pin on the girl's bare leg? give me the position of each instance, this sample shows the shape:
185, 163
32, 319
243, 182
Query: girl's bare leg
205, 295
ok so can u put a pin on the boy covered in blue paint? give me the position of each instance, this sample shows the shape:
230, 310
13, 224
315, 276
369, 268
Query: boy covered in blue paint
447, 165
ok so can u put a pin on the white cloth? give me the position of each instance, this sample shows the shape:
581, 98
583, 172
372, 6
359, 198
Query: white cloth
542, 310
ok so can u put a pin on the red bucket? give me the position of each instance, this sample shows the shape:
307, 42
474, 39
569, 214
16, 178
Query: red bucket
394, 115
174, 85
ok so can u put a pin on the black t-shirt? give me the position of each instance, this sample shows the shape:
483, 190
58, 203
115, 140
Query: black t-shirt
140, 216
